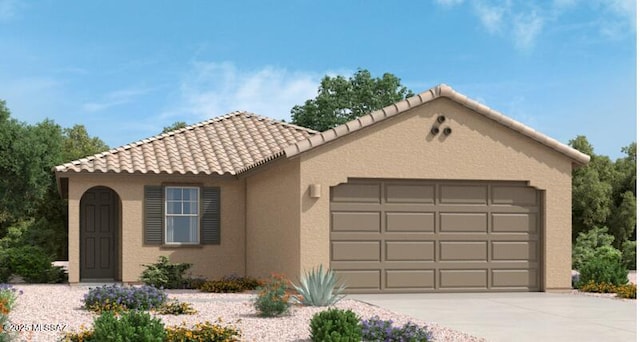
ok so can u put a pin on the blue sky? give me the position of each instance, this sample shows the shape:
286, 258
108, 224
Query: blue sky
126, 69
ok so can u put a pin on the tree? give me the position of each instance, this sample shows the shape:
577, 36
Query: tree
592, 190
174, 126
340, 100
77, 144
622, 221
30, 205
27, 154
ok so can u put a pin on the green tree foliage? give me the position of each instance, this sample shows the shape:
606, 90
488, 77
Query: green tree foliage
77, 144
340, 100
29, 200
604, 193
174, 126
27, 154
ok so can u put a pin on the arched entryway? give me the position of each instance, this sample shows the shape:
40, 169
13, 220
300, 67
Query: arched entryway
99, 225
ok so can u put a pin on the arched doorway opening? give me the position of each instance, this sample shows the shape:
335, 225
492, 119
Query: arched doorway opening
99, 226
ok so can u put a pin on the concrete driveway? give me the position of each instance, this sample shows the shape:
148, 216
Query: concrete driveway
519, 316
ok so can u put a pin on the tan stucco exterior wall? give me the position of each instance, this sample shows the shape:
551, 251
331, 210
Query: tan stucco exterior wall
478, 149
273, 220
211, 261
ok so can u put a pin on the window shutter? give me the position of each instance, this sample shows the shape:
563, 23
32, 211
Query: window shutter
153, 209
210, 222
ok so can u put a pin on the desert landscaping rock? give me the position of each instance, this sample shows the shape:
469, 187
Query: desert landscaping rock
62, 304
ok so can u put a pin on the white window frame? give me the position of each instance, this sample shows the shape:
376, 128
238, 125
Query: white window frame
167, 215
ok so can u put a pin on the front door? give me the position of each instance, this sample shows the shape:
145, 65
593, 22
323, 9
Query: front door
98, 226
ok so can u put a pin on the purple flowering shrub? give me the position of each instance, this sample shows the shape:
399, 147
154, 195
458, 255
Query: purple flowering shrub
121, 298
375, 329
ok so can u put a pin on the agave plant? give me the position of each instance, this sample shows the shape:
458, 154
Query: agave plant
319, 288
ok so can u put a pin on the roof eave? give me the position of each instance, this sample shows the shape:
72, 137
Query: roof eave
434, 93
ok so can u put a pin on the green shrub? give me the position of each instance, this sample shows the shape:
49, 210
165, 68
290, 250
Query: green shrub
202, 332
175, 307
164, 274
318, 288
273, 299
626, 291
31, 263
588, 243
120, 298
376, 329
336, 325
230, 284
629, 254
604, 267
5, 270
130, 326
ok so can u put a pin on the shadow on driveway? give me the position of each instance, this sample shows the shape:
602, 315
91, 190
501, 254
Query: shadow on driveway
519, 316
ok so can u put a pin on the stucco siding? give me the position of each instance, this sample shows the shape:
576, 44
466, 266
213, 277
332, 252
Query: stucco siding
210, 261
478, 149
273, 220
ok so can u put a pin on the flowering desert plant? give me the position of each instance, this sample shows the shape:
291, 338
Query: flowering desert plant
8, 296
273, 299
175, 307
120, 298
206, 331
319, 288
376, 329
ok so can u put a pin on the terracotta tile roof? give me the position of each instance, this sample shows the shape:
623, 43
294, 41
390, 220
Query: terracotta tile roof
222, 145
442, 90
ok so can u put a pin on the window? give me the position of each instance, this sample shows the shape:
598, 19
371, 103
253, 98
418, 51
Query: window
182, 215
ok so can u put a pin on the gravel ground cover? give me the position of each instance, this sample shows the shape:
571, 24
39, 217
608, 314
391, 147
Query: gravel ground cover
61, 305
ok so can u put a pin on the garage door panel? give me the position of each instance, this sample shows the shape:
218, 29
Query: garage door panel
463, 251
514, 250
410, 279
358, 193
469, 279
355, 250
463, 194
409, 193
514, 223
410, 250
463, 222
410, 222
355, 221
359, 279
514, 195
431, 236
516, 278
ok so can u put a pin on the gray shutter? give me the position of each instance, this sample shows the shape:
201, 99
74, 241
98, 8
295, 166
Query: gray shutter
210, 223
153, 208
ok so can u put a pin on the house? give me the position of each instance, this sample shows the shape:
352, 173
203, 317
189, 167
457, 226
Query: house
434, 193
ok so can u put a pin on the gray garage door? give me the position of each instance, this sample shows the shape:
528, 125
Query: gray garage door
428, 236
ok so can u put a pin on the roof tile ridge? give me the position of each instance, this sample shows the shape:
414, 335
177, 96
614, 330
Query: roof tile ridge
283, 123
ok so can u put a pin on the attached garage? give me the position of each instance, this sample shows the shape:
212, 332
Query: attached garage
437, 193
424, 236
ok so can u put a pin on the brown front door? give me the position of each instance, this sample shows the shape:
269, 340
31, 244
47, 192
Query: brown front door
98, 225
